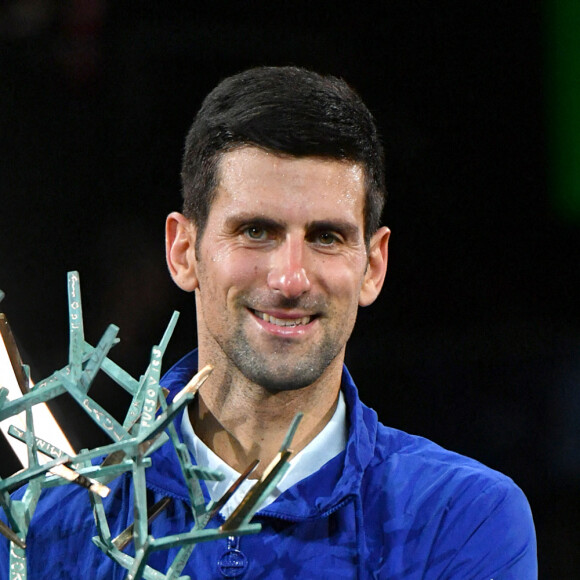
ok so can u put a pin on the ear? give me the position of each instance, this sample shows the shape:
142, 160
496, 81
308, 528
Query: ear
376, 267
180, 234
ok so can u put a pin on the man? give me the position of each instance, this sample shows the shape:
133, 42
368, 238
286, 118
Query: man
280, 242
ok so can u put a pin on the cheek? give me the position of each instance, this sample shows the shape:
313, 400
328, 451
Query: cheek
245, 270
344, 279
233, 274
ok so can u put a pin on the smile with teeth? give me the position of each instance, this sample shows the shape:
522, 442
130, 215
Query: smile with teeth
304, 320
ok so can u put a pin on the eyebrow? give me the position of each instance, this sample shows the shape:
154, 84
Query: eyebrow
346, 228
233, 222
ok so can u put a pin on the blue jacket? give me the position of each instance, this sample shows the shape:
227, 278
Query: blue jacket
391, 506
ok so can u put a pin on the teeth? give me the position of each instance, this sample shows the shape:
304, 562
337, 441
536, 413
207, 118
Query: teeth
283, 321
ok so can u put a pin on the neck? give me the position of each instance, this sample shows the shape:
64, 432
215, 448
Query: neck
241, 421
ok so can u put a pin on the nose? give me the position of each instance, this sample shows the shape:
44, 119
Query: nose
287, 273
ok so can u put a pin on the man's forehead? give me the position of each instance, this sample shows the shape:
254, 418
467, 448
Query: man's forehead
253, 168
287, 190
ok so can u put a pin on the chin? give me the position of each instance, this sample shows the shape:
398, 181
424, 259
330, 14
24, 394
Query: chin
277, 383
277, 387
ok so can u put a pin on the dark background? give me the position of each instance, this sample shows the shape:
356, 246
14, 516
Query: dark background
474, 342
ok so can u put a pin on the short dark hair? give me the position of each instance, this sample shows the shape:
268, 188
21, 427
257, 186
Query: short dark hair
285, 110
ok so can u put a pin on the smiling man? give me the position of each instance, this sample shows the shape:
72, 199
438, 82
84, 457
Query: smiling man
279, 272
280, 242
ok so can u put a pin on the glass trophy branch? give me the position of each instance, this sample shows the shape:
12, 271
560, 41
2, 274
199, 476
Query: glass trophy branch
50, 461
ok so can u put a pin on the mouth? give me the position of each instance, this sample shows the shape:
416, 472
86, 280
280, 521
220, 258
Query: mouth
284, 322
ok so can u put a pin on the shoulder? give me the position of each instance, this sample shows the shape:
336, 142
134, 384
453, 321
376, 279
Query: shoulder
454, 510
408, 476
411, 457
426, 476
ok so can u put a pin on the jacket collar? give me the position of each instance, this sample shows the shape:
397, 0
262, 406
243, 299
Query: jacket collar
315, 496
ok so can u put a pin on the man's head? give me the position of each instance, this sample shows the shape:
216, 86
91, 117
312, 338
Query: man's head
283, 110
283, 187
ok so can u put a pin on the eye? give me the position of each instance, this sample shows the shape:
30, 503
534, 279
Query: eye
327, 238
256, 233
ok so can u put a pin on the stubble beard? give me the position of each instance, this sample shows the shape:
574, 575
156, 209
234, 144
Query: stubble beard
280, 370
284, 366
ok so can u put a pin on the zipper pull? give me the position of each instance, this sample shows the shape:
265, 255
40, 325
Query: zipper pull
233, 562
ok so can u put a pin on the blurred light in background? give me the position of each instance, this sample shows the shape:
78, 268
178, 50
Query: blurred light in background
563, 100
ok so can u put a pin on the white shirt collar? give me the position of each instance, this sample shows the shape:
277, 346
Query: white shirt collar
326, 445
